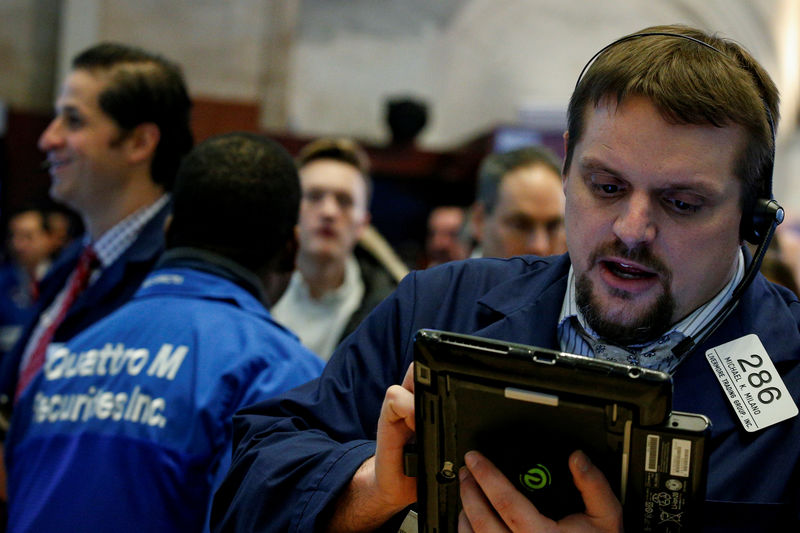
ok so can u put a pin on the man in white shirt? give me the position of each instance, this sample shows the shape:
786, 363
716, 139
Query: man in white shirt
336, 283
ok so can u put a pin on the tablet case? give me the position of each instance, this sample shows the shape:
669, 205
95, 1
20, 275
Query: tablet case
527, 409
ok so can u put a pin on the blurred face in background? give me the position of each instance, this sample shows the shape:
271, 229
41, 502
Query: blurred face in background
528, 217
444, 231
333, 209
29, 241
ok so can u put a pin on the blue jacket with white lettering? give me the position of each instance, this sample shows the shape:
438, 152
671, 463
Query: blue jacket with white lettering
130, 421
294, 455
115, 286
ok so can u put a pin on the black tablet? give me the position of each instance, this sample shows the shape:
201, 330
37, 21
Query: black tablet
527, 409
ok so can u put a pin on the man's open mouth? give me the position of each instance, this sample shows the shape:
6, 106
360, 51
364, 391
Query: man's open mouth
628, 271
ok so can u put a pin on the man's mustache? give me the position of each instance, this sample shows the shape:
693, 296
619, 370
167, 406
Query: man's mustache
638, 254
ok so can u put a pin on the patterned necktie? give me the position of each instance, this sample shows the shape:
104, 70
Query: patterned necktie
655, 355
77, 283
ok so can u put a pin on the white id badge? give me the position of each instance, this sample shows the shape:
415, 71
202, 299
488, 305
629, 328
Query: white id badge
751, 383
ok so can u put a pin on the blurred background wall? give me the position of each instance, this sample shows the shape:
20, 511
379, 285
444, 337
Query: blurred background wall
490, 71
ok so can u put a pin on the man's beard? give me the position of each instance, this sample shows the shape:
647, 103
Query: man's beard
654, 321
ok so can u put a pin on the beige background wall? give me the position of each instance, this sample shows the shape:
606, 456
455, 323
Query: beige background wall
27, 52
326, 66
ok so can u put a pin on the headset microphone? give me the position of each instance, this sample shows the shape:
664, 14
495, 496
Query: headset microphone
765, 209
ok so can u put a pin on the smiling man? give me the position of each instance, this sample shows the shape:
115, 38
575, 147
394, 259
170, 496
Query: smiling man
194, 344
120, 130
668, 168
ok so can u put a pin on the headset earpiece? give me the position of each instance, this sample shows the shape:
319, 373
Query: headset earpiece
756, 225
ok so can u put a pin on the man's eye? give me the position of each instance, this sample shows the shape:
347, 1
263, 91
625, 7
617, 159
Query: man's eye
518, 225
73, 121
313, 196
606, 188
554, 226
682, 206
344, 201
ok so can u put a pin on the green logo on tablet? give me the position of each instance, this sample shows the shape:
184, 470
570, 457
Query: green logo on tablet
535, 478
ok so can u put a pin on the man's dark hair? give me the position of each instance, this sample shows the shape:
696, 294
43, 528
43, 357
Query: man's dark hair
144, 87
31, 207
75, 226
237, 195
689, 84
496, 165
339, 149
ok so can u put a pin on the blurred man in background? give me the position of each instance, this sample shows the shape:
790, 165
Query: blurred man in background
337, 282
30, 247
444, 240
520, 205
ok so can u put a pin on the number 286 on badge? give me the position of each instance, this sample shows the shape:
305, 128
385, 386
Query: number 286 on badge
750, 382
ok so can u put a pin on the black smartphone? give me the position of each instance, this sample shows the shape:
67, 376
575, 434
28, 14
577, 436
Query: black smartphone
667, 475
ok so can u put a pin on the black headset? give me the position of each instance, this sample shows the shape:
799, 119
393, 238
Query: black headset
760, 217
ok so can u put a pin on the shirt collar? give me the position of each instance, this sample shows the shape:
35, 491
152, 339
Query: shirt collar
352, 277
111, 244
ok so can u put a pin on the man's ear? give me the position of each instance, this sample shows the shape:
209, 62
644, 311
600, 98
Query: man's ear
288, 256
278, 274
142, 142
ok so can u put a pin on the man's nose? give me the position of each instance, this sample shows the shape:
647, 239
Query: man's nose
538, 242
328, 205
51, 137
635, 225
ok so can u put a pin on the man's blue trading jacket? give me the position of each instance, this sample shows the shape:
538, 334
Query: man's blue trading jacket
295, 454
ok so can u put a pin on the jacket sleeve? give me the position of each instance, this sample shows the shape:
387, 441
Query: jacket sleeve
294, 454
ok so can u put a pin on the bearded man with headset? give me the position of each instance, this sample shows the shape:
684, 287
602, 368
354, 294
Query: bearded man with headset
669, 154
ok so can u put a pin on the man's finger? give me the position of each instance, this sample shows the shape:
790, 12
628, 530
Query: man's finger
513, 508
408, 380
477, 511
601, 503
398, 405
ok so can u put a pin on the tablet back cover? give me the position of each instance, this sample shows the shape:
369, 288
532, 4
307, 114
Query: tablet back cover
526, 409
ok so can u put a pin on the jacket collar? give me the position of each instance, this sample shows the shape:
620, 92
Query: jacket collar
526, 310
525, 303
207, 261
182, 280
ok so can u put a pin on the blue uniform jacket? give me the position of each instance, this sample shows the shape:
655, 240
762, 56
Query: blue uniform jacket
114, 287
324, 430
128, 428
